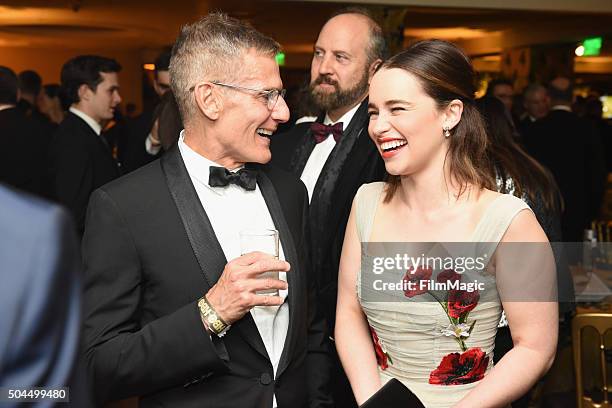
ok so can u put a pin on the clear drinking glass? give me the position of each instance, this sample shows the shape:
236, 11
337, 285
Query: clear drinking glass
262, 240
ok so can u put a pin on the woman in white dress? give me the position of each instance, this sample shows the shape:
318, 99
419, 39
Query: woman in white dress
440, 344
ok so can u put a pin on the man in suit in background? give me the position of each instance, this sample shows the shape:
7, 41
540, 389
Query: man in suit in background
142, 144
536, 102
39, 297
80, 158
30, 84
22, 142
571, 148
503, 90
172, 313
335, 155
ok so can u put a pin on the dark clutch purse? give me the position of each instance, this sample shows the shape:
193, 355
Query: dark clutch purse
393, 394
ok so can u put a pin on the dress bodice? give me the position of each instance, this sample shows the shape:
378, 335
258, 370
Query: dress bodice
437, 340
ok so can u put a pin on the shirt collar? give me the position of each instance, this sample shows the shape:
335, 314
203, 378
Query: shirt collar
197, 165
561, 107
7, 106
95, 126
345, 119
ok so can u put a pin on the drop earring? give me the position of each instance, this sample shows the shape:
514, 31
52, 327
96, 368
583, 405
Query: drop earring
446, 131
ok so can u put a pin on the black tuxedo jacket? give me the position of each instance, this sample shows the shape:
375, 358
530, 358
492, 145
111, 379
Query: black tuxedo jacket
80, 161
24, 149
150, 253
353, 162
572, 150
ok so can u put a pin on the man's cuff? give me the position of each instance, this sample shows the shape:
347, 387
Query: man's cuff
150, 148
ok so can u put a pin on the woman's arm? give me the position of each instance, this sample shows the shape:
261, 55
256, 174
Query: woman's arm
353, 339
527, 284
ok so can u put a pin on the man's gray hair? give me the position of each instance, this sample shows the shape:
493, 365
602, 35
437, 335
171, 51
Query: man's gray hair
533, 88
207, 50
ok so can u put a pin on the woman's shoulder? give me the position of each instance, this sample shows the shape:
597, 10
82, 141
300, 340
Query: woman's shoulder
369, 191
499, 212
495, 201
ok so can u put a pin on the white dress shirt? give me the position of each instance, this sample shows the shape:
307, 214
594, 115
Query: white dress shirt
561, 108
88, 119
152, 150
321, 152
230, 210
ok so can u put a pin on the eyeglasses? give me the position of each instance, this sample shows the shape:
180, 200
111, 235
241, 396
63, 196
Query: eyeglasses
271, 95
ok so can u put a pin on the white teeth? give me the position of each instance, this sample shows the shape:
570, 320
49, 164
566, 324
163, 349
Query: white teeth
264, 132
392, 144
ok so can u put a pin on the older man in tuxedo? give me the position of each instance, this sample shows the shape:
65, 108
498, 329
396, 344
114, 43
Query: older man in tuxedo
172, 310
334, 156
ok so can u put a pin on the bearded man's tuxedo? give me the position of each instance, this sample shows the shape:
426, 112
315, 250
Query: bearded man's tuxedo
353, 161
150, 253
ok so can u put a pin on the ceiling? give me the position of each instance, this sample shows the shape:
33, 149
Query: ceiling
151, 24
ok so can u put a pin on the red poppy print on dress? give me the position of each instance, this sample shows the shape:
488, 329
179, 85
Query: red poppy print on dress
382, 357
460, 302
448, 275
412, 281
465, 368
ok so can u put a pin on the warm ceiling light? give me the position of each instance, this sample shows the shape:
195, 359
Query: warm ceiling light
449, 33
579, 50
149, 67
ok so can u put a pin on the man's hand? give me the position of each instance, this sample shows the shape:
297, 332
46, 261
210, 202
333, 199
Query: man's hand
154, 135
234, 294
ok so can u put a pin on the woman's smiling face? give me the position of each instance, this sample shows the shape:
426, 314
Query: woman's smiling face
405, 123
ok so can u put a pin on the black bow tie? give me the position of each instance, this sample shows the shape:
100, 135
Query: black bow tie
221, 177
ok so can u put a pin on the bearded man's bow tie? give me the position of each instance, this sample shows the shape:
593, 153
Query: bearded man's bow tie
321, 131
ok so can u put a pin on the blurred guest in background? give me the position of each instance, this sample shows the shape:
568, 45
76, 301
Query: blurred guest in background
40, 319
167, 121
502, 89
518, 173
536, 103
571, 148
23, 143
50, 104
30, 85
130, 110
29, 88
80, 159
142, 143
594, 114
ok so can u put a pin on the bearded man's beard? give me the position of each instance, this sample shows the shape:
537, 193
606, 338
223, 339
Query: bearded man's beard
339, 97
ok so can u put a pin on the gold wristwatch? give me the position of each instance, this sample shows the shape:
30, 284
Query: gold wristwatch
212, 320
